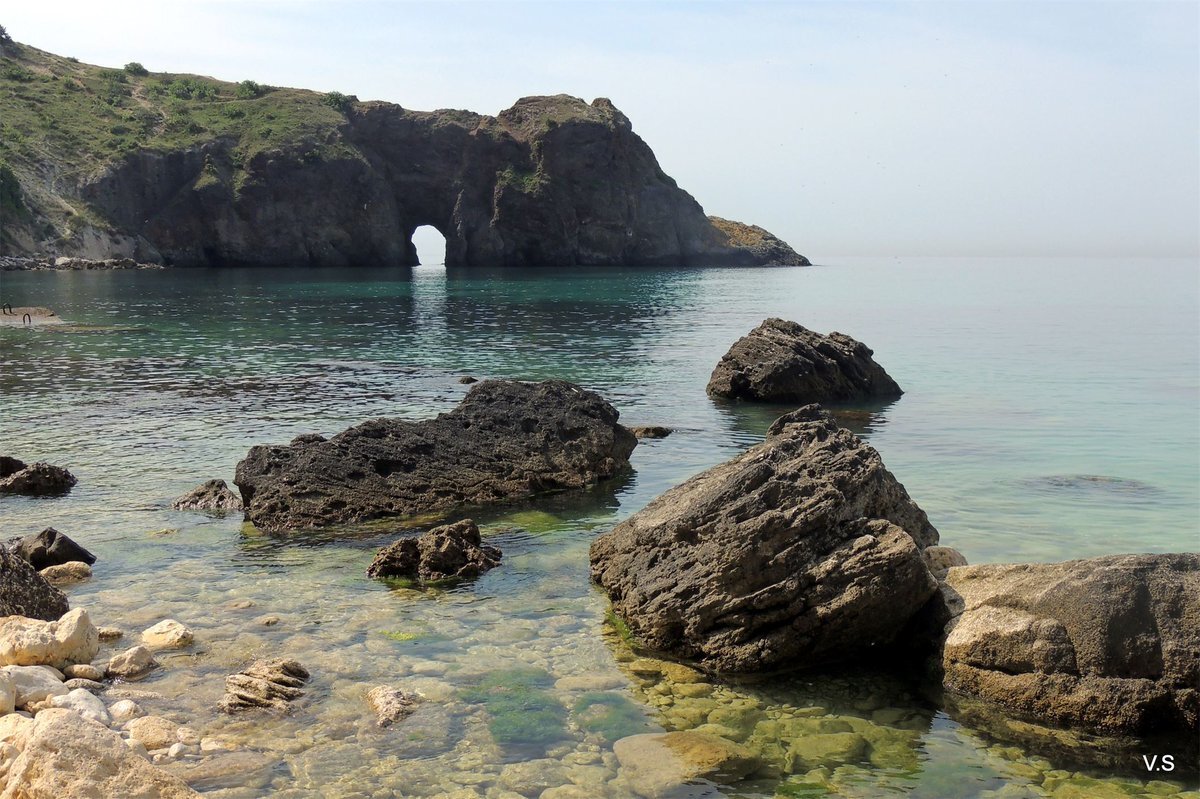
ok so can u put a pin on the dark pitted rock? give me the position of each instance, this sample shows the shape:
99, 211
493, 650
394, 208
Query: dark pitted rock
506, 440
650, 431
804, 549
1108, 644
37, 480
51, 548
266, 683
24, 592
214, 495
781, 361
450, 552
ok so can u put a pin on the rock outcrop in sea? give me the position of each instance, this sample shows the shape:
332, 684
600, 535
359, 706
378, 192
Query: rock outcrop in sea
33, 480
292, 177
1109, 644
781, 361
211, 495
51, 548
450, 552
24, 592
506, 440
802, 550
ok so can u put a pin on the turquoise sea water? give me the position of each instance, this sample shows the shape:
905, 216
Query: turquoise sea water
1052, 411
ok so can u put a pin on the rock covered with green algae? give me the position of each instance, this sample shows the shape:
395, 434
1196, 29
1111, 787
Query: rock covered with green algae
805, 549
655, 764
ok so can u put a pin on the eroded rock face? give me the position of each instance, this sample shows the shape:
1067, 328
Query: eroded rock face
65, 756
33, 642
505, 441
450, 552
1109, 644
265, 683
781, 361
37, 480
550, 181
24, 592
801, 550
51, 548
213, 495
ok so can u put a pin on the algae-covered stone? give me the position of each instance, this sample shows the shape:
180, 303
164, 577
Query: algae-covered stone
612, 716
832, 749
656, 763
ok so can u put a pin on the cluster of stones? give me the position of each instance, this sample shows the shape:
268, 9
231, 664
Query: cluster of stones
9, 263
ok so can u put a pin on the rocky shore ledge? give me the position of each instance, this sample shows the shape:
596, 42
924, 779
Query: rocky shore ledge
9, 263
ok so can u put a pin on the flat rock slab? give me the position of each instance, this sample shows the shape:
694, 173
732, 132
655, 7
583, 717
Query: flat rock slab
802, 550
1106, 644
781, 361
506, 440
28, 316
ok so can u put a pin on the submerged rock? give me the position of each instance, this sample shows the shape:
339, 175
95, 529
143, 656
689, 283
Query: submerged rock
450, 552
68, 573
265, 683
38, 480
24, 592
62, 755
780, 361
1107, 644
167, 634
506, 440
390, 704
801, 550
51, 548
213, 495
650, 431
132, 663
33, 642
655, 764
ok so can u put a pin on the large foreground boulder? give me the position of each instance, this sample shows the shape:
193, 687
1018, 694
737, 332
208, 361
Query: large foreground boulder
24, 592
505, 440
61, 755
1109, 644
450, 552
801, 550
51, 548
36, 480
780, 361
33, 642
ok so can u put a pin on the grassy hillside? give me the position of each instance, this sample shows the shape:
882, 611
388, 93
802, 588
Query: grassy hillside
62, 122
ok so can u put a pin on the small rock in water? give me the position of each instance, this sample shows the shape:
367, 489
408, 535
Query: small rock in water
110, 633
83, 671
390, 704
125, 710
154, 731
84, 703
657, 763
214, 495
450, 552
38, 480
650, 431
268, 620
266, 683
87, 685
467, 380
133, 662
167, 634
75, 571
51, 548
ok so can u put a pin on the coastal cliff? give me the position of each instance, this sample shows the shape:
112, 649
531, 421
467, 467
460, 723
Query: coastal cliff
190, 171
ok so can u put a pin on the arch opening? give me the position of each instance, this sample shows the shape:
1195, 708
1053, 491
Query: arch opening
429, 245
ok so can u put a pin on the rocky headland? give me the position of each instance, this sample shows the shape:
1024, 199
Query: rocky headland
186, 170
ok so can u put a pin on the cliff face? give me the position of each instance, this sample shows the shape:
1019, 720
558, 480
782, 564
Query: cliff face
287, 177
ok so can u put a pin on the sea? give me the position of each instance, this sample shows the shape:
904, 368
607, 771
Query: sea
1051, 411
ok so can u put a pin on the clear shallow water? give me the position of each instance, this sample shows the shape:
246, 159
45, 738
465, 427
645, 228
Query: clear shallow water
1025, 380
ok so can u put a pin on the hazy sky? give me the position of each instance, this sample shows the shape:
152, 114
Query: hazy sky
990, 128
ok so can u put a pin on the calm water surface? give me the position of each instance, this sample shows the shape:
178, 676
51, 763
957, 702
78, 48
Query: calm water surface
1051, 412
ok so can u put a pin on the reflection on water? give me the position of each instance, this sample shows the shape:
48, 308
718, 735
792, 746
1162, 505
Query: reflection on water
1017, 400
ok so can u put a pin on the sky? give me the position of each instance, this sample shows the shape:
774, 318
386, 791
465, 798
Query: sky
877, 129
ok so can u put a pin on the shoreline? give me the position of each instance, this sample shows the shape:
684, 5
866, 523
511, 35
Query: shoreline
12, 263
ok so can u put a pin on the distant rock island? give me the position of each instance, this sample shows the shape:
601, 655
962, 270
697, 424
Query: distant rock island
186, 170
